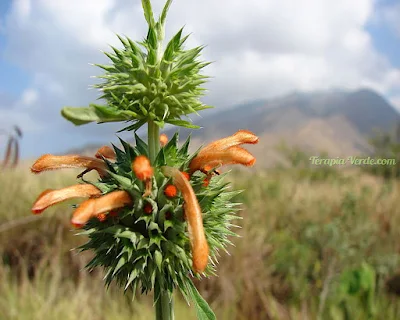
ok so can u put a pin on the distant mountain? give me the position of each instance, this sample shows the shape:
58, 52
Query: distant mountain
338, 122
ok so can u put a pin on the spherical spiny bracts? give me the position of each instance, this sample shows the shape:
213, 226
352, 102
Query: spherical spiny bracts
147, 229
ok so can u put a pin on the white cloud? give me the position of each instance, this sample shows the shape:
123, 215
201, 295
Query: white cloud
29, 97
395, 101
22, 9
262, 48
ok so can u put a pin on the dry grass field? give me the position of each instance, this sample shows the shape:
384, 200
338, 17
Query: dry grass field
313, 245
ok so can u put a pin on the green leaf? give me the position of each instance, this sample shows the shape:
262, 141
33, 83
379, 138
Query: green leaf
120, 263
129, 151
79, 116
164, 13
173, 143
152, 43
124, 182
148, 12
183, 123
94, 113
183, 151
158, 259
172, 46
159, 123
204, 311
134, 127
160, 159
141, 146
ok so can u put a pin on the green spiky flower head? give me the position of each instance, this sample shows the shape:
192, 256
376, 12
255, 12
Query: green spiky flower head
146, 82
147, 243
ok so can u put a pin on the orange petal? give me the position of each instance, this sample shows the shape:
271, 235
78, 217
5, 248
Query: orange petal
93, 207
106, 152
142, 168
170, 191
194, 218
163, 139
240, 137
51, 162
50, 197
210, 166
233, 155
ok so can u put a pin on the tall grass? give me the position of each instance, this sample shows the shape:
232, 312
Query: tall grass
301, 241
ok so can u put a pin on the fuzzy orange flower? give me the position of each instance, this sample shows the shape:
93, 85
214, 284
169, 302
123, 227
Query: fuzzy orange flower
200, 249
163, 139
94, 207
97, 205
223, 152
143, 171
52, 162
106, 152
50, 197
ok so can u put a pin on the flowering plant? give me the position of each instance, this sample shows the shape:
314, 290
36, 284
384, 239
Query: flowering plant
158, 215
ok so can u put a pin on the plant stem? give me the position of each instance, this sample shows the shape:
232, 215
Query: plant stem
164, 306
153, 133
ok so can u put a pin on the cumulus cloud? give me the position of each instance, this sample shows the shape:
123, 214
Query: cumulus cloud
261, 48
29, 96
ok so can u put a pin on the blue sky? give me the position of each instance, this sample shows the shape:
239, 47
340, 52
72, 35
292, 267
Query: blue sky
261, 49
385, 37
13, 79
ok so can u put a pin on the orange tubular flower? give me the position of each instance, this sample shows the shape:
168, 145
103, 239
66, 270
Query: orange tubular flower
51, 162
233, 155
142, 168
143, 171
93, 207
50, 197
225, 151
240, 137
200, 249
163, 139
106, 152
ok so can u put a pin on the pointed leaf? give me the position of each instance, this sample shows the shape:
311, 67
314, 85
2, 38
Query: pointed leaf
148, 12
160, 159
79, 116
158, 259
141, 146
204, 311
183, 123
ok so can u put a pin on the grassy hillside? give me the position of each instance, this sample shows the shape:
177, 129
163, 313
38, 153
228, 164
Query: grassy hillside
309, 249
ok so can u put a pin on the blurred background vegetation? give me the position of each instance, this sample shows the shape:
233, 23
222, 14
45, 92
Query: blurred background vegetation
316, 243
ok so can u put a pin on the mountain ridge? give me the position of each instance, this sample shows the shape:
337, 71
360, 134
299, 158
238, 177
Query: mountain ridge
338, 122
